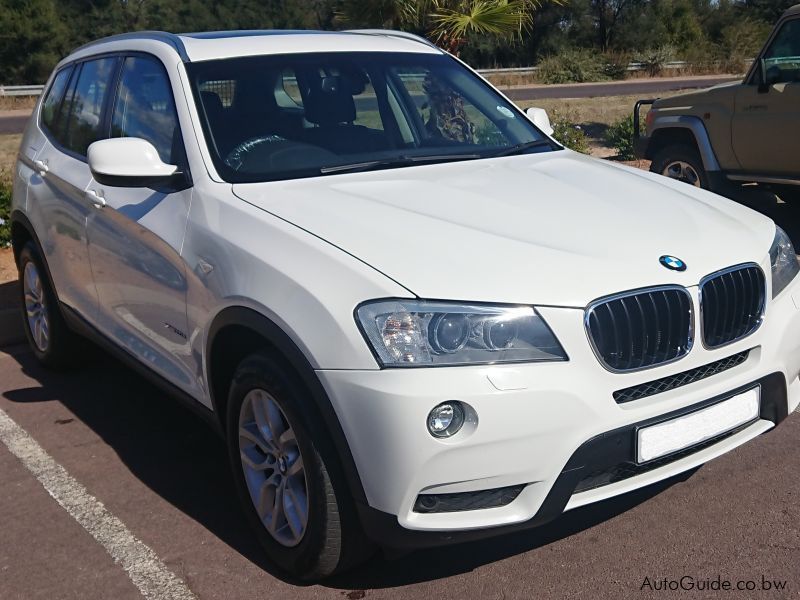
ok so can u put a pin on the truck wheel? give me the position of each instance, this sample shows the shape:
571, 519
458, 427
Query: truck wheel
681, 162
283, 472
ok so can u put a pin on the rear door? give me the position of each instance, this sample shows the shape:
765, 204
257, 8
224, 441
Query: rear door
136, 237
56, 196
766, 121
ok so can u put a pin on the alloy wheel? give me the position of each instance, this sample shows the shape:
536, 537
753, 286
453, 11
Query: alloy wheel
36, 309
682, 171
273, 468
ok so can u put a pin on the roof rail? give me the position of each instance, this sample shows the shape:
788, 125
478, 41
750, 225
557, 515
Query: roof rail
397, 34
160, 36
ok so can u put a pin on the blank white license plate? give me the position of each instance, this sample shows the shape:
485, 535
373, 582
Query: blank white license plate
682, 432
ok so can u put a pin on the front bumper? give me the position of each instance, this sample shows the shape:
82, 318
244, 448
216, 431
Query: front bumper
545, 426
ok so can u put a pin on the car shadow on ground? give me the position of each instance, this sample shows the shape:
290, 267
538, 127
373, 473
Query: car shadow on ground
179, 457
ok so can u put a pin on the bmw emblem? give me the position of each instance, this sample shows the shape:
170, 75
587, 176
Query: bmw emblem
672, 263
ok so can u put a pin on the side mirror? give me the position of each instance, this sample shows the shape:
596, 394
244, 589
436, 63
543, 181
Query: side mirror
763, 85
128, 162
538, 117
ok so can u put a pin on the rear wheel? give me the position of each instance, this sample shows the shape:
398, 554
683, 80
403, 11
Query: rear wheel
302, 515
681, 162
48, 335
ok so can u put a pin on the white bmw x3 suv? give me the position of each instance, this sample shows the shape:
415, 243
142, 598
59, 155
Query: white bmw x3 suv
414, 317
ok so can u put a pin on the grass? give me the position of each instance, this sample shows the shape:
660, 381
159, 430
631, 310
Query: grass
9, 146
17, 102
593, 115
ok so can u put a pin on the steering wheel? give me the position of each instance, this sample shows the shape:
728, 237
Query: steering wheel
236, 157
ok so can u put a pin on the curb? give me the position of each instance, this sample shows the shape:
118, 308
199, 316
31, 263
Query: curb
11, 331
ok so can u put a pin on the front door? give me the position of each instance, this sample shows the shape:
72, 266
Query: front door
766, 121
71, 119
136, 236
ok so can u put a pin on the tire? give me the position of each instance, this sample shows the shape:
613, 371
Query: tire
681, 162
265, 397
54, 345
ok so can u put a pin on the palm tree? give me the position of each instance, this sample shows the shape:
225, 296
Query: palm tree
447, 22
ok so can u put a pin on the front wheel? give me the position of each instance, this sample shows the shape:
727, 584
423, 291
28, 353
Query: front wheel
681, 162
283, 473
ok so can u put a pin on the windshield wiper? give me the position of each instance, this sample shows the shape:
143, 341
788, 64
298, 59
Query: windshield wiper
520, 148
395, 162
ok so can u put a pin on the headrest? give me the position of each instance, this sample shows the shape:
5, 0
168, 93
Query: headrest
211, 102
332, 102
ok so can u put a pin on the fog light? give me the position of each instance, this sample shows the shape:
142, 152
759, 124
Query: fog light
446, 419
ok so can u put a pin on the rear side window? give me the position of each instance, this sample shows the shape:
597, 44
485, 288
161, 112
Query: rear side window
83, 108
145, 108
51, 105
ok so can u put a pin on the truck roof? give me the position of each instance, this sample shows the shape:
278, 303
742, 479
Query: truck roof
794, 10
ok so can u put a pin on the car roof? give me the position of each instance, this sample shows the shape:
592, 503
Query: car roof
211, 45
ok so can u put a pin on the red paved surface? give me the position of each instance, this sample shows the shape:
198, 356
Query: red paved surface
163, 473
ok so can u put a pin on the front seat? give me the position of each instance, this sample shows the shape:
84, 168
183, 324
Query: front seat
332, 108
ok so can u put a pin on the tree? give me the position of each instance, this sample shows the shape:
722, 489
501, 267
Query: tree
32, 39
448, 22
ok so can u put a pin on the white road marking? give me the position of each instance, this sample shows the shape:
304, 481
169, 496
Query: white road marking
154, 580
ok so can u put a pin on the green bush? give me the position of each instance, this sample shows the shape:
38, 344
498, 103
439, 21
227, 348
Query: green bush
5, 210
620, 137
572, 66
616, 65
655, 59
566, 132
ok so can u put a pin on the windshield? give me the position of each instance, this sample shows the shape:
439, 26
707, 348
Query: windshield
287, 116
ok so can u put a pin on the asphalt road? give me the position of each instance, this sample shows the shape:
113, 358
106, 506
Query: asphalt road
14, 121
645, 88
163, 475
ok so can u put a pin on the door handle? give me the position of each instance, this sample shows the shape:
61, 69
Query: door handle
96, 198
41, 166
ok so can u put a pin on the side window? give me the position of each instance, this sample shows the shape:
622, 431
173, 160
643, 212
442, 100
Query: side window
83, 108
782, 58
145, 107
51, 106
287, 90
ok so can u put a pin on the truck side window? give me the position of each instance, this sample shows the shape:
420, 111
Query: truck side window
782, 58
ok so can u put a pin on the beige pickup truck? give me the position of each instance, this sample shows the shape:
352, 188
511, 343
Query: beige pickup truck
734, 133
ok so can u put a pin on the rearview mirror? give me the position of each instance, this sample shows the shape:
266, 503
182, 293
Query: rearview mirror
538, 117
128, 162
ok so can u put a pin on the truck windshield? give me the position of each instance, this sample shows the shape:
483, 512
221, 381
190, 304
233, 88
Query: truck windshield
288, 116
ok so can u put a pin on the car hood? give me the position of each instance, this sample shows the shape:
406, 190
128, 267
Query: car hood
555, 228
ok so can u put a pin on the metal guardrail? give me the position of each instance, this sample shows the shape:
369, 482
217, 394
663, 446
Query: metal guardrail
634, 66
21, 90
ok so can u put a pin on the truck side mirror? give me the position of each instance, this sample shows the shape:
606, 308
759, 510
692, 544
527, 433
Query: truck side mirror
763, 85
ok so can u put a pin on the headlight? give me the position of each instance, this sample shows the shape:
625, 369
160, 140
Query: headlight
784, 262
409, 333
